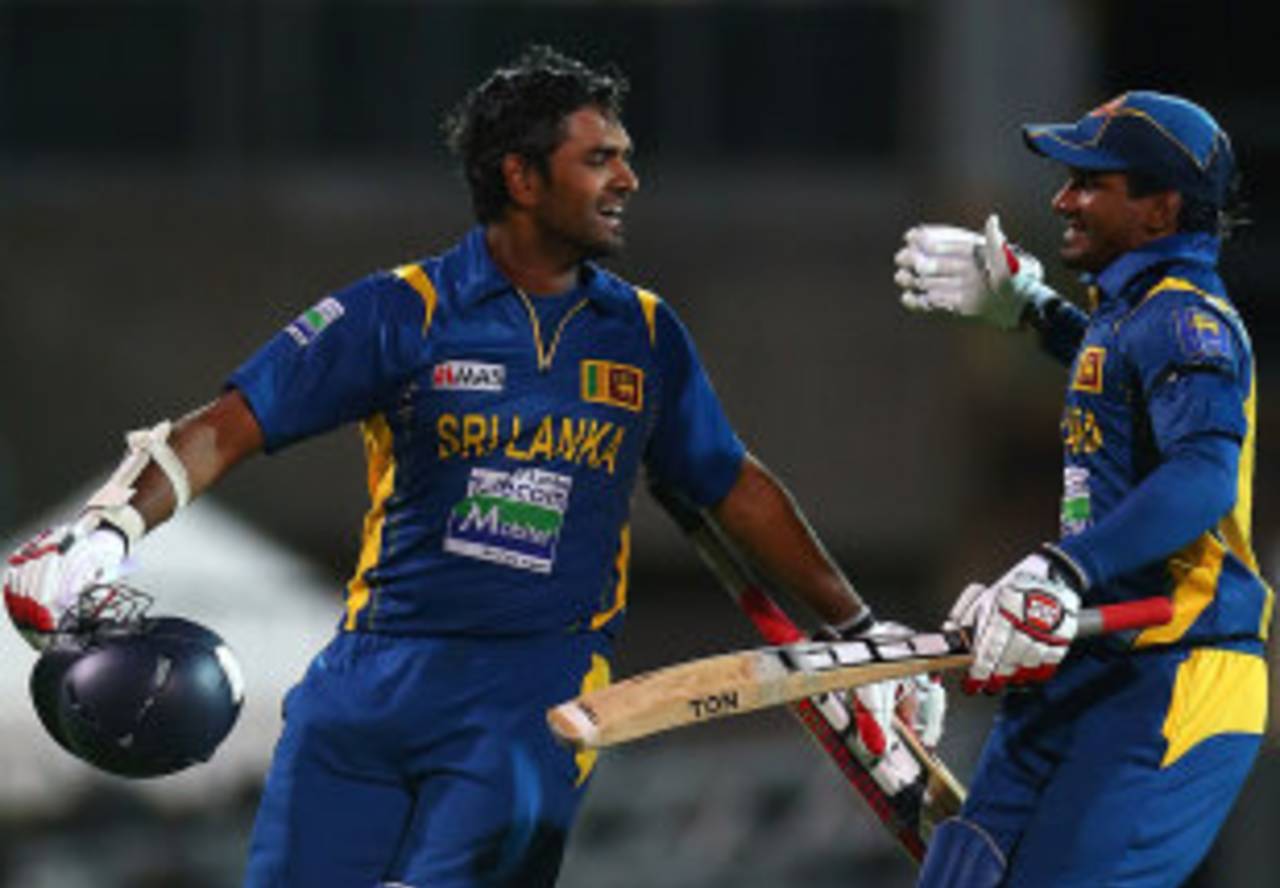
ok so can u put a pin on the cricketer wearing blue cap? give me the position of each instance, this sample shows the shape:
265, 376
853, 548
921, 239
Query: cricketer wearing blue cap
1118, 763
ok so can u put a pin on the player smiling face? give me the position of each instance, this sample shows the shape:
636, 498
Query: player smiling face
1105, 220
588, 183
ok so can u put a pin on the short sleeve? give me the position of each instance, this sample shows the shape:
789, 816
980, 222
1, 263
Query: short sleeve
1191, 365
693, 447
339, 361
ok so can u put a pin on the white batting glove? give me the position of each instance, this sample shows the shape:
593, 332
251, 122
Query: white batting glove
942, 268
46, 577
1022, 624
865, 716
919, 701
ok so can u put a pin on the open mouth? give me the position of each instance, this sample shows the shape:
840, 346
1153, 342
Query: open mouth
612, 217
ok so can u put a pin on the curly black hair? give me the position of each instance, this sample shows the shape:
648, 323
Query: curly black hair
520, 109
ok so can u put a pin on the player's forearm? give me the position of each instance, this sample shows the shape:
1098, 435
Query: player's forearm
763, 520
209, 441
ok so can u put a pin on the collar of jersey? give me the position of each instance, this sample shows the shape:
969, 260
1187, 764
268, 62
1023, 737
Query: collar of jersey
481, 279
1197, 248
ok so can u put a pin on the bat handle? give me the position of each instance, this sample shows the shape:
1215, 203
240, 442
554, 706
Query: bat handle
1140, 614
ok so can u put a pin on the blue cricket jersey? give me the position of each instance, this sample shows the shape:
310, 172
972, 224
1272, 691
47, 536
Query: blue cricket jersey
1161, 368
501, 456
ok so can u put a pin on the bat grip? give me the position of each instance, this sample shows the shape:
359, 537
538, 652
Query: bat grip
1140, 614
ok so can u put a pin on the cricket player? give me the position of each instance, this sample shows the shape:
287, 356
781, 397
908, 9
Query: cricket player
1119, 768
509, 390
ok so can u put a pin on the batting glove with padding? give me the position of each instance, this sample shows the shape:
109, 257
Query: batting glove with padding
864, 717
1023, 623
45, 578
919, 701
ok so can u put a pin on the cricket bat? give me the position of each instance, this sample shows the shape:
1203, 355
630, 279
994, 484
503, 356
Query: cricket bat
744, 681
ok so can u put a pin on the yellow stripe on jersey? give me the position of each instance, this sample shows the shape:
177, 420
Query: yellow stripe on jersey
382, 482
1196, 568
1216, 692
621, 566
1177, 285
415, 277
1237, 527
598, 677
649, 307
1195, 571
381, 466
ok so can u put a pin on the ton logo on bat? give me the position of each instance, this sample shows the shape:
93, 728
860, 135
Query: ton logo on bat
714, 704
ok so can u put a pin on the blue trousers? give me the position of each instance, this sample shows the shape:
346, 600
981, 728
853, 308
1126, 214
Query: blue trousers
1121, 770
425, 762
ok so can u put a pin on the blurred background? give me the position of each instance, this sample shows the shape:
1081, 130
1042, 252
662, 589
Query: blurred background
179, 178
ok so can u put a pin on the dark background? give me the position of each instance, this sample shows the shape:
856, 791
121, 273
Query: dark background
179, 179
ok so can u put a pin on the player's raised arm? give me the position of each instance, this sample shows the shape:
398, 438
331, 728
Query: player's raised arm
163, 469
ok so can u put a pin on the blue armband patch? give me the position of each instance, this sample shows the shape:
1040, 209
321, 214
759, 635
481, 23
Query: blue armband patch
1204, 337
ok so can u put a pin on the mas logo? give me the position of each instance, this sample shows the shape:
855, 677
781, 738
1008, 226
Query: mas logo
1088, 375
312, 322
511, 518
468, 376
618, 385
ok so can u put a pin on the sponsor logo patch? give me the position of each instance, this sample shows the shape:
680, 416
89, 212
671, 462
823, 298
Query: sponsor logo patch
312, 322
1088, 375
1077, 508
510, 518
468, 376
618, 385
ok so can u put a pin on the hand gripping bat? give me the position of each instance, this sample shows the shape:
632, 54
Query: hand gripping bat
909, 812
791, 671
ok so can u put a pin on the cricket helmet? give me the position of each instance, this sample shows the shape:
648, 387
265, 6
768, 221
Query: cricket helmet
140, 698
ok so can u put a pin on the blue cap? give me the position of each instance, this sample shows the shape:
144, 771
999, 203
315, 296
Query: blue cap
1169, 138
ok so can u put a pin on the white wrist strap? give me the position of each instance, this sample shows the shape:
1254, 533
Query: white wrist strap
111, 502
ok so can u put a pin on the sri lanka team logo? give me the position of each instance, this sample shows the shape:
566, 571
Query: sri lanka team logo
1203, 337
1088, 375
511, 518
618, 385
